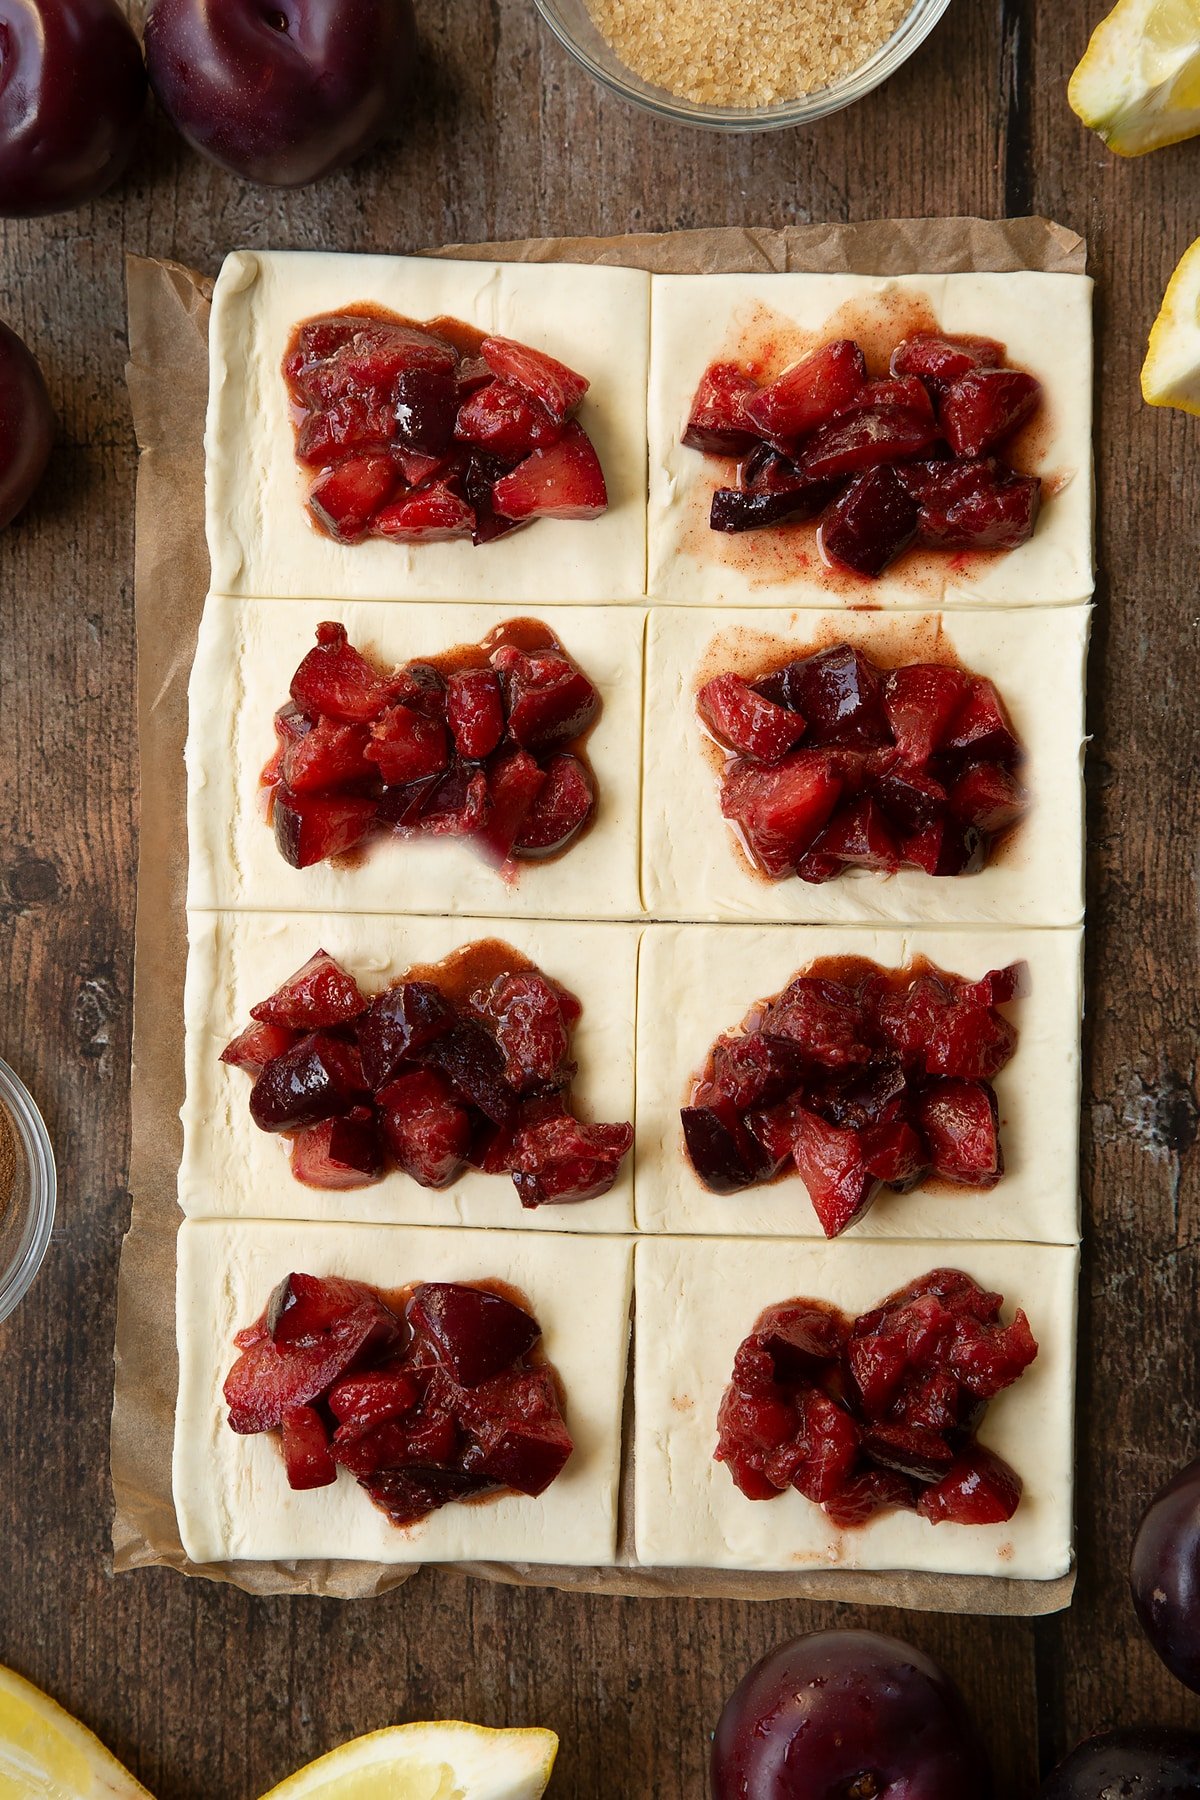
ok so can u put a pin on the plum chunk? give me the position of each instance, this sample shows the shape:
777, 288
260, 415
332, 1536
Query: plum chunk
871, 523
475, 711
319, 994
981, 511
522, 1453
939, 360
428, 515
255, 1047
781, 810
477, 1332
920, 700
561, 809
961, 1124
506, 420
859, 837
335, 679
747, 723
318, 1078
428, 1132
839, 692
809, 393
331, 755
791, 495
472, 1061
831, 1166
562, 1161
978, 1489
724, 1156
514, 781
311, 828
548, 698
982, 727
407, 746
717, 422
316, 1328
823, 1018
425, 405
556, 387
346, 498
857, 442
305, 1444
985, 406
531, 1030
564, 481
340, 1153
398, 1024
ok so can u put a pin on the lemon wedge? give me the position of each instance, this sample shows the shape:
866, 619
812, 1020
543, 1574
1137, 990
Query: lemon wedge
1138, 84
443, 1761
45, 1754
1171, 371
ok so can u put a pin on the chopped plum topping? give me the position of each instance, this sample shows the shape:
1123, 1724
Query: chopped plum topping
406, 438
483, 745
886, 463
835, 764
464, 1065
857, 1078
877, 1413
449, 1400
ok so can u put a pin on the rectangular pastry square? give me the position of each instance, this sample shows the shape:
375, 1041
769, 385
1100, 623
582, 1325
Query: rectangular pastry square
694, 867
697, 982
247, 653
595, 320
231, 1169
231, 1494
1043, 320
694, 1303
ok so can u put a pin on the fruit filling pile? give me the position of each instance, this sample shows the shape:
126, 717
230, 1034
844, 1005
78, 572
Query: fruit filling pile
910, 460
836, 764
415, 433
879, 1413
481, 743
425, 1398
858, 1078
465, 1064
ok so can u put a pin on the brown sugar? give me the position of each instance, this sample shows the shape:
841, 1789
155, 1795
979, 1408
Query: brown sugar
750, 53
8, 1162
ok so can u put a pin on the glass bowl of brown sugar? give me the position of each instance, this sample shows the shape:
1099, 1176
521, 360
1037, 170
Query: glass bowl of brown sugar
742, 65
28, 1188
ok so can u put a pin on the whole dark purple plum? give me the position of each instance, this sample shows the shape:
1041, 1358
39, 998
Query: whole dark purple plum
1129, 1765
26, 425
281, 91
72, 93
1164, 1575
847, 1715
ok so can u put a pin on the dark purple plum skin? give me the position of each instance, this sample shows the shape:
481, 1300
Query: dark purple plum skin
1129, 1765
72, 94
1164, 1575
281, 92
847, 1715
26, 425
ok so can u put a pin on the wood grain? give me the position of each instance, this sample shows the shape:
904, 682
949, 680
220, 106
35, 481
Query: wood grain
204, 1692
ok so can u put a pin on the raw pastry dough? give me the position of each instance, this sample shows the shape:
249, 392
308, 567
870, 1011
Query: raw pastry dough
231, 1494
698, 981
247, 653
231, 1169
259, 539
696, 1301
1045, 322
692, 865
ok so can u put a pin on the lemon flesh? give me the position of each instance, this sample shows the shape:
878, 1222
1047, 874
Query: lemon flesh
1138, 83
443, 1761
1171, 371
45, 1754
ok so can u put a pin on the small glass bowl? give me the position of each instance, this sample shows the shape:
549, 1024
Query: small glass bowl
572, 25
26, 1222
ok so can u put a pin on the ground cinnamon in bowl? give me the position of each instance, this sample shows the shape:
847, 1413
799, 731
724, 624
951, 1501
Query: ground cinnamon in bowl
8, 1161
746, 53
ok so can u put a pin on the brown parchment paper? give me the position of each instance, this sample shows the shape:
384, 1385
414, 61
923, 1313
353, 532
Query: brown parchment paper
168, 384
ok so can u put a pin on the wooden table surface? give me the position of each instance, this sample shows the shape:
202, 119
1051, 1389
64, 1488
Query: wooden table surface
205, 1693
